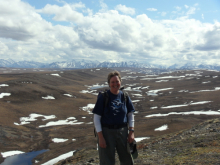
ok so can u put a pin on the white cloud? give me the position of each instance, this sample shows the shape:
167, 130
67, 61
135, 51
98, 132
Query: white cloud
210, 39
178, 8
151, 9
125, 10
19, 21
186, 6
187, 13
78, 5
89, 11
191, 11
106, 34
163, 14
104, 6
61, 1
3, 48
63, 13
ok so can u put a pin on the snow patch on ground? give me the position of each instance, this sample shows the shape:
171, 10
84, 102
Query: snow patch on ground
61, 122
141, 138
55, 74
69, 95
32, 117
210, 112
4, 85
48, 97
10, 153
57, 159
4, 94
88, 108
59, 140
162, 128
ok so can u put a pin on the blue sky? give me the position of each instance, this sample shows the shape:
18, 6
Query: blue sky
159, 32
205, 11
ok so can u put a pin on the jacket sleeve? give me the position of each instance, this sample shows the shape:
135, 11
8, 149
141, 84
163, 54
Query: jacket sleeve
130, 106
99, 106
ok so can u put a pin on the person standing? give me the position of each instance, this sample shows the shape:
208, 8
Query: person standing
114, 123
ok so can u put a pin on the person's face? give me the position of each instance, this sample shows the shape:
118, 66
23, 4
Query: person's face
115, 84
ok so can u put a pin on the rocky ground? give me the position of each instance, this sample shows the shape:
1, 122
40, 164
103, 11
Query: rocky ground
199, 145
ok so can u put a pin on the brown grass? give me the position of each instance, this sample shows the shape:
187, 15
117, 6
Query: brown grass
26, 98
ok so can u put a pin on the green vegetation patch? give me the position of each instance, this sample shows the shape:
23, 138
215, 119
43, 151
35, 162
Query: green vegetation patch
196, 155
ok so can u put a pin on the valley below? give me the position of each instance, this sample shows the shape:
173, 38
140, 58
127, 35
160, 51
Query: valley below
176, 119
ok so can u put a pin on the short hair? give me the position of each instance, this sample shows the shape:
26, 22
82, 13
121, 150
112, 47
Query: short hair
112, 74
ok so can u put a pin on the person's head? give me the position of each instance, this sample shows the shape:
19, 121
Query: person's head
112, 74
114, 81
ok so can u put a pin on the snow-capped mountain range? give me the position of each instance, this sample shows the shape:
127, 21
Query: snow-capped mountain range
96, 64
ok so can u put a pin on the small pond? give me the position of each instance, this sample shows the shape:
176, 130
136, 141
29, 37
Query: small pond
98, 86
22, 159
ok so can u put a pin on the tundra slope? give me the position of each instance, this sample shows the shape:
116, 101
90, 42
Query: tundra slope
198, 145
27, 90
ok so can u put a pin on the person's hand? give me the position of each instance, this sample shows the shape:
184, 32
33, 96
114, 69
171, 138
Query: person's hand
102, 142
130, 137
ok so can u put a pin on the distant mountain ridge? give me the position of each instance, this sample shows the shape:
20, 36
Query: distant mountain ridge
96, 64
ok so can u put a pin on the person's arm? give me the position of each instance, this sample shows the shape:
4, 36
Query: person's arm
131, 127
98, 127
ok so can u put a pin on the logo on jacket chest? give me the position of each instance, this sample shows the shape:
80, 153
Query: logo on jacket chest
116, 105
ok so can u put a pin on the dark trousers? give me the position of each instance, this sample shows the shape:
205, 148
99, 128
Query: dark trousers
116, 139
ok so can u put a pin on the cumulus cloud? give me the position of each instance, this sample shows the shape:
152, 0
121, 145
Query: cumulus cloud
210, 39
108, 31
151, 9
19, 21
3, 48
125, 10
103, 35
63, 13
